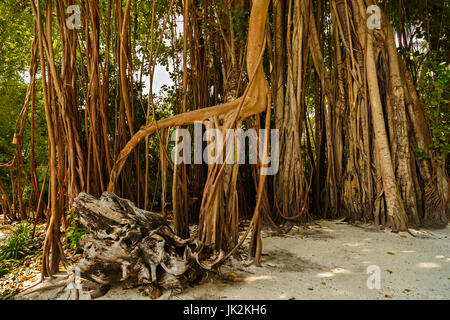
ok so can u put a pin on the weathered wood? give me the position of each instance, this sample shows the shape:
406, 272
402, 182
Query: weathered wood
128, 243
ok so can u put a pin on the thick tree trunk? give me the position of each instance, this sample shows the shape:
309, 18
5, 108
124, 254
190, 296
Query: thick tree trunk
290, 184
395, 206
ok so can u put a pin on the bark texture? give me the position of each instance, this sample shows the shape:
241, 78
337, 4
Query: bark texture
128, 243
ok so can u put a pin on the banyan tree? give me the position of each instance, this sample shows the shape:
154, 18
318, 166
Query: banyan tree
327, 74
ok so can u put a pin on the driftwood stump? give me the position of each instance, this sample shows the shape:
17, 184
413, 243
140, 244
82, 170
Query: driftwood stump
128, 243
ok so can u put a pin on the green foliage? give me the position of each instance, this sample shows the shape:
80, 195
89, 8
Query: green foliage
18, 245
16, 25
422, 154
240, 24
5, 266
75, 232
435, 95
423, 22
9, 294
3, 269
16, 34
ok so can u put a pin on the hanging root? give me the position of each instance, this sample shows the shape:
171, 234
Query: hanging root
253, 102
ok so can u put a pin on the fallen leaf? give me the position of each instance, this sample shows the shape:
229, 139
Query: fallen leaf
404, 236
25, 278
310, 289
390, 271
323, 283
407, 290
293, 298
388, 296
390, 252
232, 274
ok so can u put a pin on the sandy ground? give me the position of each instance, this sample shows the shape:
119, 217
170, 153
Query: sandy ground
326, 260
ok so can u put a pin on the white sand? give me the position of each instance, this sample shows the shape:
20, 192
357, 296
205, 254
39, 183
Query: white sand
325, 261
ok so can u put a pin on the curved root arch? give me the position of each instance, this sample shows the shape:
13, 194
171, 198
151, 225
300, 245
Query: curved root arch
253, 101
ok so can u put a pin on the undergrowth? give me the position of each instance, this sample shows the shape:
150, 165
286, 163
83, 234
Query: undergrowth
75, 231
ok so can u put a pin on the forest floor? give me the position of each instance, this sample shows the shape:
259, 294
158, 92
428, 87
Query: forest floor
324, 260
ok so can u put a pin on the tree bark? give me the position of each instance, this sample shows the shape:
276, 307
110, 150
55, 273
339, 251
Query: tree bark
127, 243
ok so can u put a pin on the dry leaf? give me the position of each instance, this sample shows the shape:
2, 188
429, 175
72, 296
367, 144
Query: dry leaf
232, 274
388, 296
25, 278
407, 290
390, 252
404, 236
390, 271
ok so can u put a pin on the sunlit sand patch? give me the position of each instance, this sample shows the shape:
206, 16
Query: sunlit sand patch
352, 244
341, 270
333, 273
428, 265
325, 275
252, 278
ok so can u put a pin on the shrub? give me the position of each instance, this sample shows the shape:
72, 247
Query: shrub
5, 267
75, 232
18, 245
